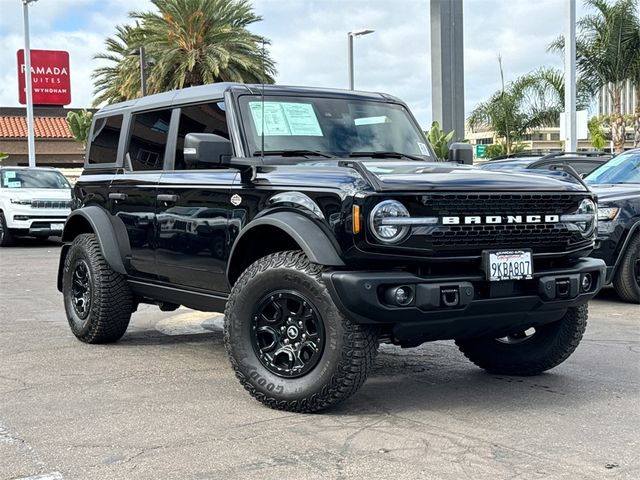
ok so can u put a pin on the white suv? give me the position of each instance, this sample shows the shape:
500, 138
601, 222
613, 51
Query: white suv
33, 202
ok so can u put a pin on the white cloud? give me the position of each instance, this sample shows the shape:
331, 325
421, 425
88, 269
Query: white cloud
309, 42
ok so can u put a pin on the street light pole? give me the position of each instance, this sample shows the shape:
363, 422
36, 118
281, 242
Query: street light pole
570, 141
350, 36
27, 74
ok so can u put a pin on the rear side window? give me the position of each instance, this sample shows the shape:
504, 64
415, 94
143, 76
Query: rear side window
205, 118
148, 140
104, 142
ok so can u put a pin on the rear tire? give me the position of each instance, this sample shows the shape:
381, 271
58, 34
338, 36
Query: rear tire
289, 345
97, 299
627, 279
6, 238
518, 354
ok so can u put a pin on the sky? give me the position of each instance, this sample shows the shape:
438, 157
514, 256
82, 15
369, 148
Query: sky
309, 42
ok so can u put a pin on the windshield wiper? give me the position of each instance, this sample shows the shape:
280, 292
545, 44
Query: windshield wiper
380, 154
292, 153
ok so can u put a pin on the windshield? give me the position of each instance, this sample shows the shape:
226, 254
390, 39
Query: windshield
624, 168
23, 178
311, 126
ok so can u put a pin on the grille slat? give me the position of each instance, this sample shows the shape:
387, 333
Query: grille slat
499, 204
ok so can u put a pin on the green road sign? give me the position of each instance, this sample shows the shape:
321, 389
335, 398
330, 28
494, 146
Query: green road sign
481, 150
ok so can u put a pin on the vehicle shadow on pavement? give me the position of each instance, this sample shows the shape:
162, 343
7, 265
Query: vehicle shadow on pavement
24, 242
153, 337
444, 381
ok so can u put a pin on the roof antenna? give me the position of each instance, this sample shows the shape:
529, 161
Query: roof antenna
263, 114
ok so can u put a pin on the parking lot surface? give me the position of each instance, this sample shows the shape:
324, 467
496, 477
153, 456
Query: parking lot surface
163, 403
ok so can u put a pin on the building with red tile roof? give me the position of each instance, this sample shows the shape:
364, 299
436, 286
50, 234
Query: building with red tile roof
55, 145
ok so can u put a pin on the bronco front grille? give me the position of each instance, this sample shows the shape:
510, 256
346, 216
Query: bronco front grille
471, 239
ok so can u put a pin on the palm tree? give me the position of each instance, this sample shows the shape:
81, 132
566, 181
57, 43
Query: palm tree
606, 52
531, 101
119, 81
190, 43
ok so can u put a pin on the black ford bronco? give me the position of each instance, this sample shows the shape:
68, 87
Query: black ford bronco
320, 223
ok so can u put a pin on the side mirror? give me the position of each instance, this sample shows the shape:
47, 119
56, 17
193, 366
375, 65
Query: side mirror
206, 148
461, 153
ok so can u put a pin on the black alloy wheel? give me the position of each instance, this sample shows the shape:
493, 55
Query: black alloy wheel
288, 334
81, 289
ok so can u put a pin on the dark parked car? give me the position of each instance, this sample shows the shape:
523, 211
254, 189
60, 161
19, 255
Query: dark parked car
582, 162
320, 222
617, 184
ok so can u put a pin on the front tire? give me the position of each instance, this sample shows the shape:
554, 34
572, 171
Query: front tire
6, 238
522, 354
627, 278
97, 299
288, 343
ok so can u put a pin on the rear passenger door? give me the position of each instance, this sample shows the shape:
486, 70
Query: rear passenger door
194, 207
133, 191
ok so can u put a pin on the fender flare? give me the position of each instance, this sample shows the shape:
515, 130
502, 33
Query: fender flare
313, 240
111, 233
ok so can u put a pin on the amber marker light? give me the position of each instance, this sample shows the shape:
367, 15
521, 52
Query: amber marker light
356, 218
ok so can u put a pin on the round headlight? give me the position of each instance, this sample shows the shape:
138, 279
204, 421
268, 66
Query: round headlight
589, 209
385, 221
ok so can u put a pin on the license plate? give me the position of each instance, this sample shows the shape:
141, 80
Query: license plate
508, 265
57, 226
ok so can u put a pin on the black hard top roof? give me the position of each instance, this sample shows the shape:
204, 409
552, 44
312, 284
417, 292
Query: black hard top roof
216, 91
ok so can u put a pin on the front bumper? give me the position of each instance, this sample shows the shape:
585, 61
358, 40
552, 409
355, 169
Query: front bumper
458, 307
37, 222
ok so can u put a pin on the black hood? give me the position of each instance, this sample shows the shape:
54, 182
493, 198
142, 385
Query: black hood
610, 193
418, 176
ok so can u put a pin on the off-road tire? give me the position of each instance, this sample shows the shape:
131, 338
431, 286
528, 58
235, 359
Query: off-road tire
6, 238
624, 280
111, 301
349, 350
548, 347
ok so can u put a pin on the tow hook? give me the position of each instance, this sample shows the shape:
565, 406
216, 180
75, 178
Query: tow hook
450, 296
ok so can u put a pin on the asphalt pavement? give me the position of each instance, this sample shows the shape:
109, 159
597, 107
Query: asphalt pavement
163, 403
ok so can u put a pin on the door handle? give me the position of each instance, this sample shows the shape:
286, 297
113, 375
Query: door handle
167, 198
118, 196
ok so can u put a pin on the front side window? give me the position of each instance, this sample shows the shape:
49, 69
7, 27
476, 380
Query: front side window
205, 118
104, 142
148, 140
23, 178
332, 126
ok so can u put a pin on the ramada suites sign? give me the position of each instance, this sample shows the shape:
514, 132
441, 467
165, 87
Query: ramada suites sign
49, 77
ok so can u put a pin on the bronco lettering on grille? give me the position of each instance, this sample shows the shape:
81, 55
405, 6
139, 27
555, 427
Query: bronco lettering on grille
499, 219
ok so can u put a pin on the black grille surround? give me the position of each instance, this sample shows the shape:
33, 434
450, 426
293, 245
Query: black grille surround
470, 240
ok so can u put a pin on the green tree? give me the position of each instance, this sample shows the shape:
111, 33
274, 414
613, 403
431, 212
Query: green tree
80, 124
598, 140
188, 43
439, 140
120, 79
607, 52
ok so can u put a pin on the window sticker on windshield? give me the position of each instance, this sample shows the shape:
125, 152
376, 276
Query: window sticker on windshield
16, 184
423, 148
9, 174
283, 119
302, 119
371, 120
